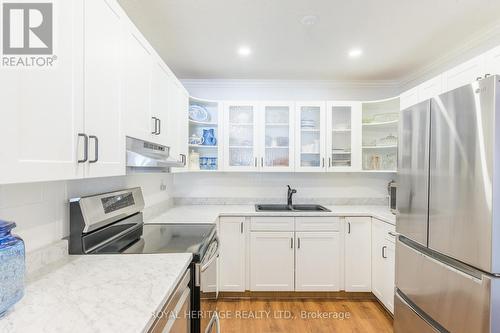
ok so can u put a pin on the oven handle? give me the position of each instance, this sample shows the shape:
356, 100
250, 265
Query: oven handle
210, 262
199, 268
213, 321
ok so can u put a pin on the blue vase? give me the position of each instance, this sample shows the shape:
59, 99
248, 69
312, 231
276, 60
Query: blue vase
209, 137
12, 267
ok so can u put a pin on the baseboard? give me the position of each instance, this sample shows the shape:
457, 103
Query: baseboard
337, 295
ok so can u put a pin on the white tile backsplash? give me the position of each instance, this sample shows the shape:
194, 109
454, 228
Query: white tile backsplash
41, 210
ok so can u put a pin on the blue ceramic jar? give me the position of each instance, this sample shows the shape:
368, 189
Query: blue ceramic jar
12, 267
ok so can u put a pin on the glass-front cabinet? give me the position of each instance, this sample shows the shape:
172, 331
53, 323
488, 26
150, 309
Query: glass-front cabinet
343, 120
240, 141
380, 135
310, 136
276, 136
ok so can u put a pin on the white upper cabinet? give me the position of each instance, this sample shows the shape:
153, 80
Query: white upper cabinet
465, 73
343, 131
104, 43
137, 88
409, 98
430, 88
241, 138
276, 134
310, 138
42, 109
160, 113
493, 61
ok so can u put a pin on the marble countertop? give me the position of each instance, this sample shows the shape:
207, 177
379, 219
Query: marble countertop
97, 293
210, 213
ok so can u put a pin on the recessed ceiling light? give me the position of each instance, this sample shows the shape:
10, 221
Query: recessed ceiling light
244, 51
355, 53
309, 20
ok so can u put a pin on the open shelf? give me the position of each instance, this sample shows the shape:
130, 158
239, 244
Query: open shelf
202, 123
385, 123
203, 146
380, 147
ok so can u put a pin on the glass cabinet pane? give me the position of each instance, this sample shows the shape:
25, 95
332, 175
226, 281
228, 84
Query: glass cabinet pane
241, 136
310, 136
341, 136
277, 136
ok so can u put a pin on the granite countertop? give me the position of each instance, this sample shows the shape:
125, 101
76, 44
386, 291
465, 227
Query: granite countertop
210, 213
97, 293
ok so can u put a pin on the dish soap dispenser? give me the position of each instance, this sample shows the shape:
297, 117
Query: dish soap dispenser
12, 267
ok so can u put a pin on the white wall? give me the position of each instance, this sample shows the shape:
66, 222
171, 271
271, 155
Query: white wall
273, 185
289, 90
41, 210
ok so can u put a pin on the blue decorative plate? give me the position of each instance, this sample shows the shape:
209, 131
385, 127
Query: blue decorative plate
198, 113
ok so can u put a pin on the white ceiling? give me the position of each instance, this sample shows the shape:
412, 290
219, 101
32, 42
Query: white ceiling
198, 39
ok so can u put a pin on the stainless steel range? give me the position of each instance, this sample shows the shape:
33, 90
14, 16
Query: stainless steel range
112, 223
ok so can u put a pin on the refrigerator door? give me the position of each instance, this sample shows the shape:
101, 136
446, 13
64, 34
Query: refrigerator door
408, 319
413, 172
457, 297
461, 175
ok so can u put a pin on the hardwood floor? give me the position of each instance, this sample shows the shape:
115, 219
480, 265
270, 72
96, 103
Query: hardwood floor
302, 315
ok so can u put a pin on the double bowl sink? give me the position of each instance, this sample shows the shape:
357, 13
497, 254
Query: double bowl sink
293, 208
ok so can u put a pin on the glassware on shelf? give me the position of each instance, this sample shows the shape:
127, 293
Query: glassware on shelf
195, 140
12, 267
194, 160
208, 163
209, 137
389, 140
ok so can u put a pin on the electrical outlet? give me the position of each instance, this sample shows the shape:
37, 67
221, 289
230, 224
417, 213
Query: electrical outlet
163, 187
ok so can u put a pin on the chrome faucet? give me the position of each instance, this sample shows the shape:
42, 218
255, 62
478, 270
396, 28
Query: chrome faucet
291, 192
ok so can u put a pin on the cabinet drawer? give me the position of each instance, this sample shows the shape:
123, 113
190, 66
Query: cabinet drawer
233, 219
272, 224
317, 223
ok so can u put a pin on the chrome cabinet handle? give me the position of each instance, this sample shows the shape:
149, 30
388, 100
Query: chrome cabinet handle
298, 243
159, 126
329, 162
348, 227
256, 162
392, 234
291, 243
262, 161
96, 149
183, 159
155, 132
383, 252
241, 227
323, 162
85, 147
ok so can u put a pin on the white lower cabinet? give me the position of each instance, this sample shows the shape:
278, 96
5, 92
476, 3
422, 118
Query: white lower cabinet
271, 261
317, 261
357, 250
232, 261
383, 263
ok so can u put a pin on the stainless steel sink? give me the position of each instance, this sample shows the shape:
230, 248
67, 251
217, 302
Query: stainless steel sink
295, 208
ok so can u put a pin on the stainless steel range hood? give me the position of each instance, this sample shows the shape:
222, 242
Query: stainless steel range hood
144, 156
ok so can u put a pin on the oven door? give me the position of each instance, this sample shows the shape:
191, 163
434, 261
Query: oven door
209, 288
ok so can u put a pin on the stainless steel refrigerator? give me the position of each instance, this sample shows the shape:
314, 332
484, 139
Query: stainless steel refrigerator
448, 220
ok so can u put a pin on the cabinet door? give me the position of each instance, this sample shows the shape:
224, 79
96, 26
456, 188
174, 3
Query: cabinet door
464, 74
358, 254
493, 61
390, 263
276, 136
104, 42
431, 88
317, 261
310, 136
137, 88
271, 261
178, 127
241, 143
160, 106
409, 98
343, 136
379, 274
232, 254
42, 109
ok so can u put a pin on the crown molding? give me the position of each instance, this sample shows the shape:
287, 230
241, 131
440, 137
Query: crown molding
252, 83
448, 60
